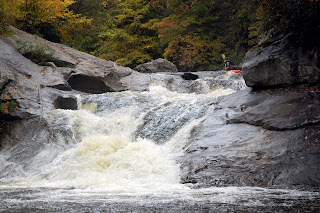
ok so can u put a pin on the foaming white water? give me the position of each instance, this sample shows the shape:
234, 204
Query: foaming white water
110, 161
100, 148
107, 155
163, 92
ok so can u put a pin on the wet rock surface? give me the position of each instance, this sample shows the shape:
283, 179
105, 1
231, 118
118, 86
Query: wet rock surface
277, 109
35, 87
238, 145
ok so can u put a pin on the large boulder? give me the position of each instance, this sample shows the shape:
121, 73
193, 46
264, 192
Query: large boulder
283, 60
277, 109
40, 87
35, 87
158, 65
240, 143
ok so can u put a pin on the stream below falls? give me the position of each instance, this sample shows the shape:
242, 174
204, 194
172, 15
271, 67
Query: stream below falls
119, 152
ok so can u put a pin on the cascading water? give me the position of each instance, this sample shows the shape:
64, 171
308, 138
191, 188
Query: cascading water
121, 152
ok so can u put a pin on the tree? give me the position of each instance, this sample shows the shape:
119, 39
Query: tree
84, 35
34, 12
192, 34
290, 15
130, 39
50, 19
8, 10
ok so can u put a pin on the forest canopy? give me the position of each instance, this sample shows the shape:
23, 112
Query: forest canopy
191, 33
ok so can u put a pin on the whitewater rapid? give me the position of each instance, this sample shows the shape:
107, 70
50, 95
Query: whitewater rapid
123, 141
120, 152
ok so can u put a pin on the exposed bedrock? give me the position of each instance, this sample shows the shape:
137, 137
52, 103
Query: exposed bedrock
282, 60
258, 138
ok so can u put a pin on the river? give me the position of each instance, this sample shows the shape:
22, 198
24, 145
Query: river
119, 152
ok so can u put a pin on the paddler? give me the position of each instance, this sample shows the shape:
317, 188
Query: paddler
228, 65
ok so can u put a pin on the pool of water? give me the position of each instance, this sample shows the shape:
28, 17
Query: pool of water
222, 199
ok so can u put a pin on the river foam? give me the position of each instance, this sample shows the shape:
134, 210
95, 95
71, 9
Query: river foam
117, 147
120, 152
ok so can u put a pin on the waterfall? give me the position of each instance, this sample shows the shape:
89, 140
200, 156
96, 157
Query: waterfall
121, 140
120, 152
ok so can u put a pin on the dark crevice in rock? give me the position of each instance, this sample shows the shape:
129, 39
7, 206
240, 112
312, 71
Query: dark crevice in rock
60, 63
8, 117
64, 87
57, 63
189, 76
267, 127
88, 84
3, 82
7, 122
66, 103
304, 83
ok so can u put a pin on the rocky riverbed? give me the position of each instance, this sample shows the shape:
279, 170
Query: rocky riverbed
266, 136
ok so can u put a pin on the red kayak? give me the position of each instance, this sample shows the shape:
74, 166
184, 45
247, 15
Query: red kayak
236, 71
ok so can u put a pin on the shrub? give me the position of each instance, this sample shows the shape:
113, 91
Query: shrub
38, 54
6, 107
12, 105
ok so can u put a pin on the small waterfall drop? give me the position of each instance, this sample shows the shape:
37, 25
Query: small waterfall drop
124, 140
120, 152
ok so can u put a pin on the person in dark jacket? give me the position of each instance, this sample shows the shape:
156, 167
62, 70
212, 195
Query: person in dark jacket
228, 65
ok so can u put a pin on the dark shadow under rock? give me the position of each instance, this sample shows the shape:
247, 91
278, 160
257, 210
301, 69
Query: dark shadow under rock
64, 87
66, 103
3, 81
189, 76
88, 84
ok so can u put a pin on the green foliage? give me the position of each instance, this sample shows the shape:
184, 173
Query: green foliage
129, 39
292, 15
38, 54
8, 106
3, 23
84, 34
198, 32
12, 106
5, 20
191, 33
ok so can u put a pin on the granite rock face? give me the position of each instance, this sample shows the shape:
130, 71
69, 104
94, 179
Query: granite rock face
283, 60
35, 87
258, 138
158, 65
278, 109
